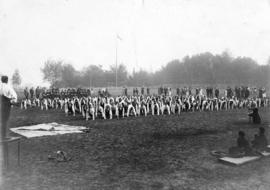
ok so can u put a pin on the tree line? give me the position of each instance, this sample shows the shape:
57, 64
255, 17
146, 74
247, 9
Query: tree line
200, 69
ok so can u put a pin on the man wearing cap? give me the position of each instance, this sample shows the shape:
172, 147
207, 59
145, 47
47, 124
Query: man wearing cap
7, 97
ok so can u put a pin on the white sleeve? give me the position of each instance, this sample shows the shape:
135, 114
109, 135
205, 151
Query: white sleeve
8, 91
12, 94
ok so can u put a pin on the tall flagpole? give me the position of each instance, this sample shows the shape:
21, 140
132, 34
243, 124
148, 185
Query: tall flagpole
116, 63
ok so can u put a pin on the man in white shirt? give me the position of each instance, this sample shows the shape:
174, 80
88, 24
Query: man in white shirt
7, 97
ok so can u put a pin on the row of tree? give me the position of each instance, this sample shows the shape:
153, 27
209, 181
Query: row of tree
204, 68
61, 74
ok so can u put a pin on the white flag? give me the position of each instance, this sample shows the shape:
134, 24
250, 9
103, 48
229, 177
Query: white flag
118, 37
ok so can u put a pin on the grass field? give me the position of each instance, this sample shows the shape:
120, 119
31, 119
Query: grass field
156, 152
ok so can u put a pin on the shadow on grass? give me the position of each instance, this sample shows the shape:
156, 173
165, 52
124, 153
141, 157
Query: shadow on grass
250, 124
184, 133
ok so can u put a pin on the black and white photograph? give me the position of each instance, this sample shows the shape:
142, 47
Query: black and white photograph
135, 95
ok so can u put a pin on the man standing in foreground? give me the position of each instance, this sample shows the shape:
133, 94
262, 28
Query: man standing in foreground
7, 97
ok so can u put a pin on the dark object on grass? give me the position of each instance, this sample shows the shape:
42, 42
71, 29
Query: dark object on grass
218, 154
60, 156
255, 116
236, 152
87, 130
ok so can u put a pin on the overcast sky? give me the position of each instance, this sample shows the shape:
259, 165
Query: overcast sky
153, 32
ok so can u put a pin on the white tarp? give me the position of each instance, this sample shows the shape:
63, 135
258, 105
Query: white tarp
47, 129
264, 153
239, 161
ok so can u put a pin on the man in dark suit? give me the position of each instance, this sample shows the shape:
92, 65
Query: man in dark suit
7, 97
255, 116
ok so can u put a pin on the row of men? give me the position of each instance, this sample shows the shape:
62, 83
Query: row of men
55, 92
135, 91
124, 106
239, 92
210, 92
146, 91
245, 92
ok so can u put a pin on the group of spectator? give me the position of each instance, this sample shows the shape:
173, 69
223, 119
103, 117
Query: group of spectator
242, 92
40, 93
136, 92
103, 92
31, 93
167, 91
184, 91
